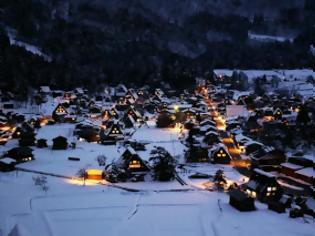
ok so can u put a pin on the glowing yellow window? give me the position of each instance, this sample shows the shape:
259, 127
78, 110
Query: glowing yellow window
223, 155
134, 164
60, 109
219, 155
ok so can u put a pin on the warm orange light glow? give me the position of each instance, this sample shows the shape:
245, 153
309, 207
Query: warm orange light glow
134, 164
176, 108
268, 118
6, 128
79, 181
241, 163
94, 174
228, 140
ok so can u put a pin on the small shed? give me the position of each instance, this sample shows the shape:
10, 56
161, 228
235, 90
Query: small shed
241, 201
60, 143
94, 174
219, 155
21, 154
42, 143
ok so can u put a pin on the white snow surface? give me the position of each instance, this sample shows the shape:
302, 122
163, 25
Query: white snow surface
99, 208
268, 38
28, 47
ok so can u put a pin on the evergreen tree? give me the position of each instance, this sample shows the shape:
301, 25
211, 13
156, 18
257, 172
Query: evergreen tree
303, 117
219, 180
163, 164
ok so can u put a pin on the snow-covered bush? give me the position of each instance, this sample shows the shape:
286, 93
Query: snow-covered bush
41, 181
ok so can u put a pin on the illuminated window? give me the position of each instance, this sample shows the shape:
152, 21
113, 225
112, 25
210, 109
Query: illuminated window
60, 109
269, 189
274, 189
268, 194
251, 193
134, 164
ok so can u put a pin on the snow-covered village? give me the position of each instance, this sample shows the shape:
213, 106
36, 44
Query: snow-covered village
210, 161
157, 118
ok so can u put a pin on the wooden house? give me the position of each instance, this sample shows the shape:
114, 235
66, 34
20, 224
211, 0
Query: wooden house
190, 114
115, 113
277, 113
268, 114
211, 138
107, 114
306, 174
23, 129
218, 154
112, 134
251, 146
207, 122
89, 134
267, 156
241, 201
207, 128
121, 90
21, 154
129, 121
134, 114
59, 114
60, 143
27, 139
42, 143
132, 93
289, 169
263, 186
240, 140
280, 205
7, 164
132, 162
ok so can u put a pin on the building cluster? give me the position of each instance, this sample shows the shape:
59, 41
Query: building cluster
268, 138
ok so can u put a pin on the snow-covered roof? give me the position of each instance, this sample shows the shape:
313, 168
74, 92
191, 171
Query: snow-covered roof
261, 172
252, 142
242, 138
291, 166
309, 172
7, 160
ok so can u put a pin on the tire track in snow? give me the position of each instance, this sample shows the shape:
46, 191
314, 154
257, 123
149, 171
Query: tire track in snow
136, 207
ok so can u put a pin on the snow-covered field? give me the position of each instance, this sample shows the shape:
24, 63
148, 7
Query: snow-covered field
101, 210
71, 208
